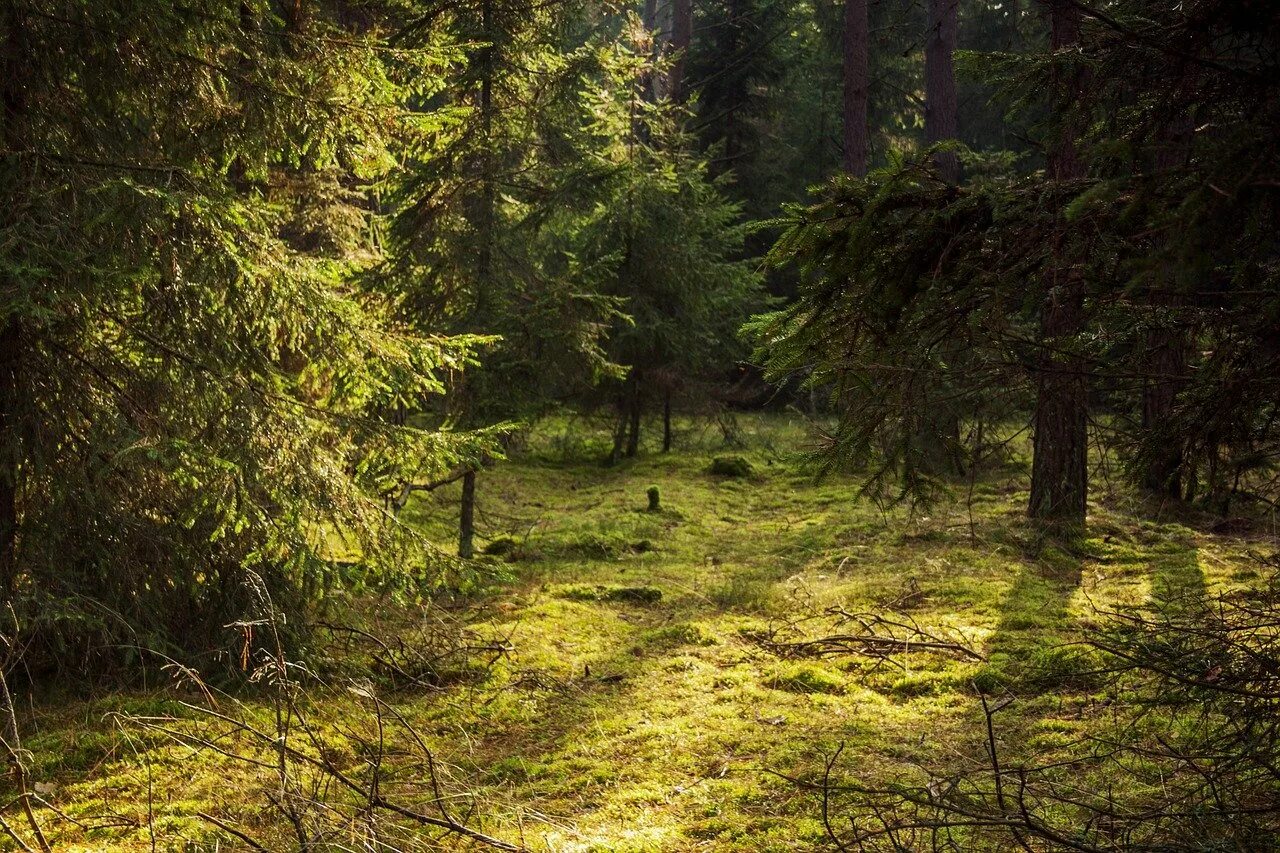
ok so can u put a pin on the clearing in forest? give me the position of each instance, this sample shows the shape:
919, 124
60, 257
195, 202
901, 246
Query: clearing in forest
670, 679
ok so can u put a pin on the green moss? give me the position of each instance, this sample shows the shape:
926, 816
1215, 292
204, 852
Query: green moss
600, 592
633, 703
804, 678
731, 466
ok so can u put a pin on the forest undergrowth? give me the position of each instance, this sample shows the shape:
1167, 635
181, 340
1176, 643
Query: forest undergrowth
691, 676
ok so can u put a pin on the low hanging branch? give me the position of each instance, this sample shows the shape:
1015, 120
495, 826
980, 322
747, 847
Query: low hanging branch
399, 496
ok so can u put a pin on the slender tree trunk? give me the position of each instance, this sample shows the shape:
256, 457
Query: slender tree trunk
484, 263
10, 372
467, 517
856, 85
619, 436
1059, 469
13, 102
484, 255
626, 410
633, 435
666, 422
681, 38
941, 108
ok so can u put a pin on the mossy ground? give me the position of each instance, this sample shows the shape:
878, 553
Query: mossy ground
635, 709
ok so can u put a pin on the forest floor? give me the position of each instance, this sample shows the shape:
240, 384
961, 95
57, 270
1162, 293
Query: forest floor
643, 699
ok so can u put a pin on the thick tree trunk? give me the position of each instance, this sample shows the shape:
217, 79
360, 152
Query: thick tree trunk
1059, 475
666, 422
1059, 469
681, 38
941, 108
649, 20
467, 517
856, 86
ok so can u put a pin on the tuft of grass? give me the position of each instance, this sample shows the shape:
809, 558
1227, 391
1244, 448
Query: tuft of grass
747, 594
804, 678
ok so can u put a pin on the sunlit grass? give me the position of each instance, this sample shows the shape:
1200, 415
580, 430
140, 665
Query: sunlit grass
635, 711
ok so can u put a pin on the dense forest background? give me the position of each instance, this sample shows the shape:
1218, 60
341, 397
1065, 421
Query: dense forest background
274, 274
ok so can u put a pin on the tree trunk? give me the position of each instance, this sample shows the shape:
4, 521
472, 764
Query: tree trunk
856, 85
10, 371
1059, 469
467, 517
13, 102
484, 263
619, 436
941, 110
484, 256
666, 422
649, 20
681, 38
633, 435
940, 441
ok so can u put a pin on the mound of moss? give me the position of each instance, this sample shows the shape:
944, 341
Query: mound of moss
731, 466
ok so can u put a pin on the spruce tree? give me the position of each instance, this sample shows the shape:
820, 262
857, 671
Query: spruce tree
674, 239
191, 371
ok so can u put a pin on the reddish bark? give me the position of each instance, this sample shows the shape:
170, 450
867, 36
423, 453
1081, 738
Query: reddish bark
1059, 469
941, 108
856, 85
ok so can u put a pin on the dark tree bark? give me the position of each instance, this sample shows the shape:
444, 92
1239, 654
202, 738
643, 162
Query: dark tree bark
484, 255
484, 263
13, 102
649, 20
467, 517
1059, 469
941, 108
681, 38
856, 86
940, 441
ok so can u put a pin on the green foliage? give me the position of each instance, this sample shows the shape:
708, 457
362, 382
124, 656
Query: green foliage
909, 315
674, 237
192, 372
487, 212
919, 302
